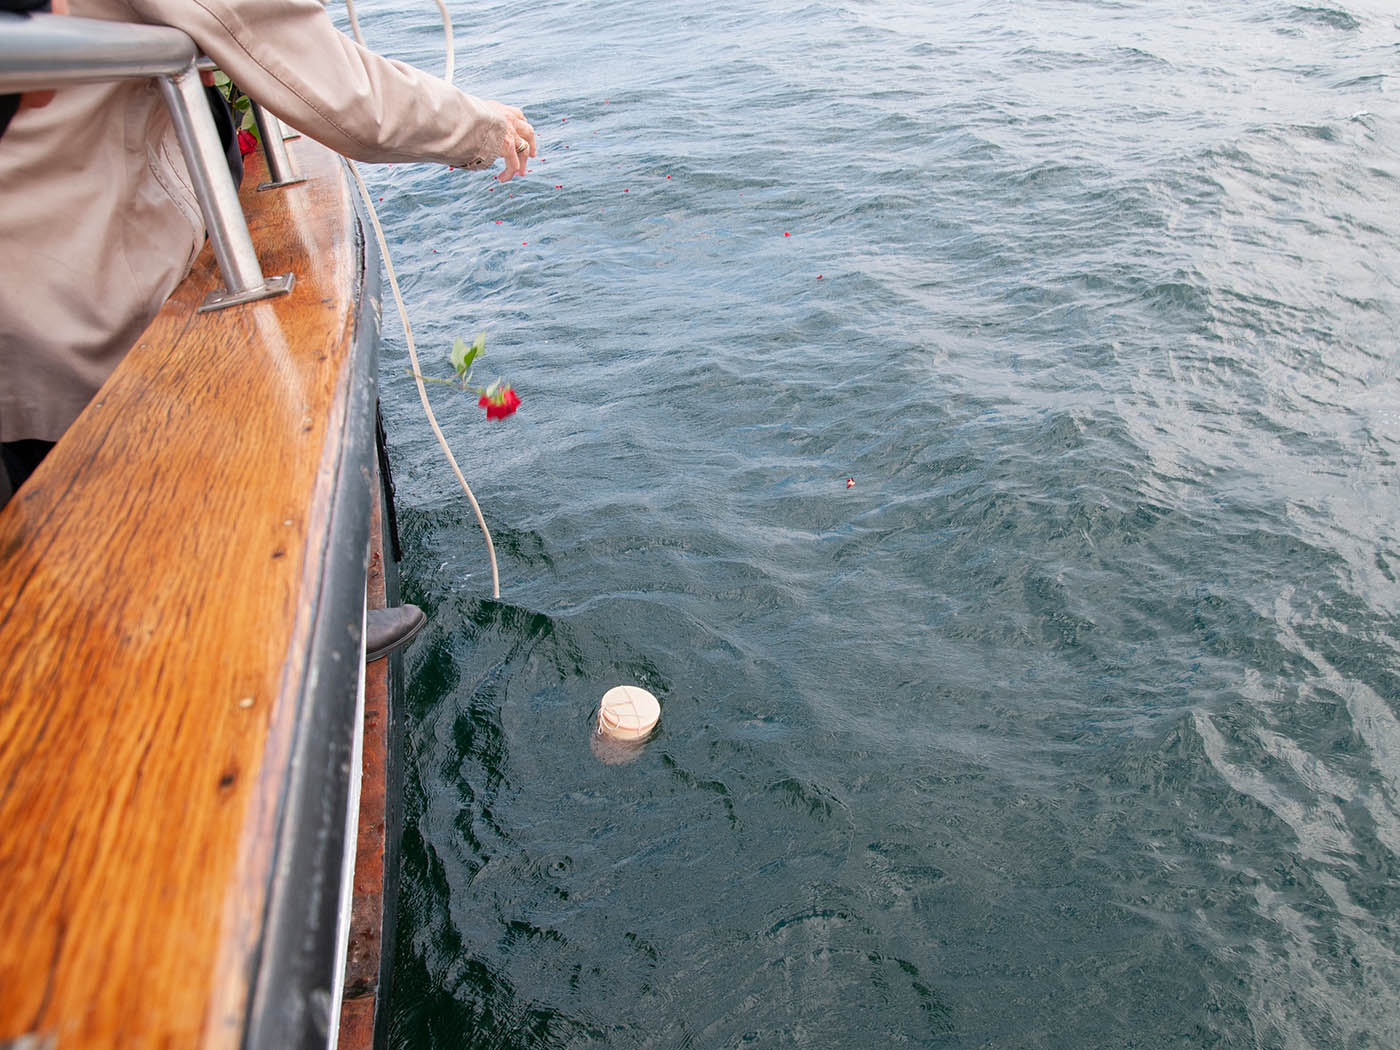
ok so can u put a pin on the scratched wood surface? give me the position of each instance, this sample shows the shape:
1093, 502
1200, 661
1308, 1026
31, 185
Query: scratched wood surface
154, 577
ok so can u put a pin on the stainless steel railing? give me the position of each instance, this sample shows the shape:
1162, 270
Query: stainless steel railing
52, 51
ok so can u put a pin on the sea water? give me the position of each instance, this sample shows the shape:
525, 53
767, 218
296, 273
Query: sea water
1074, 722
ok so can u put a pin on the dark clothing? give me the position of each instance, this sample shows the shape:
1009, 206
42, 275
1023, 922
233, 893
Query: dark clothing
21, 458
226, 123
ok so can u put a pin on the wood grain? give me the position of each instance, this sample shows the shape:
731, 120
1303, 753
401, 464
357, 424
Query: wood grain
155, 583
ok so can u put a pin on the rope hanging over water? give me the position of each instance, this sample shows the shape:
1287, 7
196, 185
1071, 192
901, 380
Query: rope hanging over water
403, 312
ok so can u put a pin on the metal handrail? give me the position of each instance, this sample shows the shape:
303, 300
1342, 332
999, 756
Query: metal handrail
43, 51
49, 51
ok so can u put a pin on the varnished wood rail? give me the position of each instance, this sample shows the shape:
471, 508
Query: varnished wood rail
180, 599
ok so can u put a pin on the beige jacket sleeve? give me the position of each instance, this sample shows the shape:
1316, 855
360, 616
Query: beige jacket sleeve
289, 56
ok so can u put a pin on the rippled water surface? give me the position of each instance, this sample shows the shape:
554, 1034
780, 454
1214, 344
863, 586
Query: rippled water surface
1074, 722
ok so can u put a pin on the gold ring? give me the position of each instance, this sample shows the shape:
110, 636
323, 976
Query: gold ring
522, 147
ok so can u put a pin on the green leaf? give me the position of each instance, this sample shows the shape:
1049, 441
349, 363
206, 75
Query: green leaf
459, 355
463, 356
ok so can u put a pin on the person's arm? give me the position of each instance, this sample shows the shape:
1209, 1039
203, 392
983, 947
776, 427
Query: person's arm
288, 55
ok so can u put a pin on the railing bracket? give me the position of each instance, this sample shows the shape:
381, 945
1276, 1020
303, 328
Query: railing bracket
279, 284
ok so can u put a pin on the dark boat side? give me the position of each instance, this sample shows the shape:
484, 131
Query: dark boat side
369, 949
181, 589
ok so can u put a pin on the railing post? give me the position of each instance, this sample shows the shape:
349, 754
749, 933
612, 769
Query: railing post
218, 197
279, 165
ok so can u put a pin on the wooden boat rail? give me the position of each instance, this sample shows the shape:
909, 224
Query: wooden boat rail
182, 592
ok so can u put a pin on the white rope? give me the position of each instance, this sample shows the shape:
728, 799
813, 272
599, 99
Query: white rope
451, 52
417, 378
403, 313
354, 23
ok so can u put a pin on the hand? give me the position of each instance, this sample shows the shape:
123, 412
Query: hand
40, 99
520, 143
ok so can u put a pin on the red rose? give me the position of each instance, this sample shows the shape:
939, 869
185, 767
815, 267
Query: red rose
500, 404
246, 142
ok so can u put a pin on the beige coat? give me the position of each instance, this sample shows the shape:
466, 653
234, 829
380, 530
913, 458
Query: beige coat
98, 221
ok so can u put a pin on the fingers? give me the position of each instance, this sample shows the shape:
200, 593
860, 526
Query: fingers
513, 156
525, 132
515, 160
35, 99
520, 144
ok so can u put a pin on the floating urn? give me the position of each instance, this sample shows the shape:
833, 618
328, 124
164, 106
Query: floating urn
628, 713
